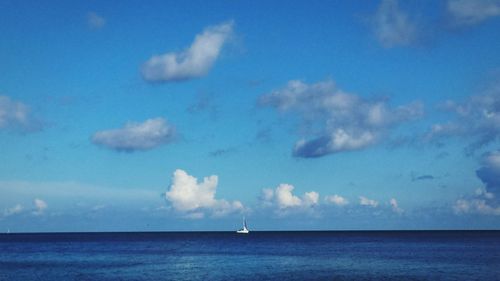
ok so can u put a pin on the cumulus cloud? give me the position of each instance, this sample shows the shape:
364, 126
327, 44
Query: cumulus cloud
363, 201
471, 12
310, 198
392, 27
477, 119
18, 208
40, 206
283, 199
478, 206
193, 62
95, 21
16, 115
338, 121
136, 136
485, 200
193, 198
395, 207
336, 200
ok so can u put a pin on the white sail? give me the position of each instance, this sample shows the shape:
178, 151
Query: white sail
245, 228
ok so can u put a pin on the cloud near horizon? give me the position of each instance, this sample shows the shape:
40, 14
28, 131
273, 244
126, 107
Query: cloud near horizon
193, 198
136, 136
363, 201
341, 121
395, 206
196, 61
16, 209
337, 200
283, 200
486, 200
40, 206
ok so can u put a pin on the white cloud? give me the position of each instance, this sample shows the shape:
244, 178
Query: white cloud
471, 12
485, 200
13, 210
283, 198
337, 141
476, 119
190, 197
337, 121
478, 206
95, 21
40, 206
395, 207
392, 27
16, 115
194, 62
461, 206
98, 207
310, 198
336, 200
363, 201
136, 136
483, 192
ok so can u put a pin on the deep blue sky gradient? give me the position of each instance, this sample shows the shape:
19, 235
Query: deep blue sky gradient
78, 79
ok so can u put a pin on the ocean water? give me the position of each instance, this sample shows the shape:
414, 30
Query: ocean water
328, 255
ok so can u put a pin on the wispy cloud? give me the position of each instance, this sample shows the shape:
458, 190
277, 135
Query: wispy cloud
338, 121
475, 205
472, 12
16, 209
40, 206
17, 116
95, 21
395, 207
337, 200
136, 136
193, 199
393, 27
364, 201
194, 62
476, 119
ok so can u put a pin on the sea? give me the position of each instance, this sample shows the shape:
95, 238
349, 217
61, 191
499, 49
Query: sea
259, 255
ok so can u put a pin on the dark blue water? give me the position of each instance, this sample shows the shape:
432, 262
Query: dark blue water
443, 255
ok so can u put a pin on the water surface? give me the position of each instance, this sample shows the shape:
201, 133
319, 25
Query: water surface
311, 255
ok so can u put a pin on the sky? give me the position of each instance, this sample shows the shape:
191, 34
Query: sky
188, 115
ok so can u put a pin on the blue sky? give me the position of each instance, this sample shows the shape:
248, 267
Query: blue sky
188, 116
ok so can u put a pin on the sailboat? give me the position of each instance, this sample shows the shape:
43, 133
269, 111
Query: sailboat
244, 230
